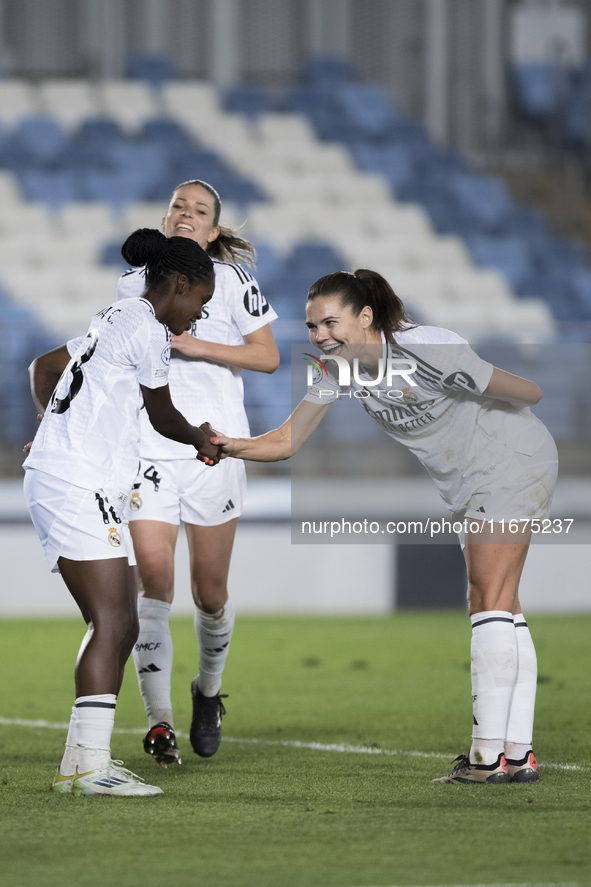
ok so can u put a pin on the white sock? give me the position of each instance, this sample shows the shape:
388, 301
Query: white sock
494, 669
85, 642
70, 758
152, 655
214, 632
521, 713
95, 717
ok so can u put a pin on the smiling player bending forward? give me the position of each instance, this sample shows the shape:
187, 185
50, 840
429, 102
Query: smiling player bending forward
491, 460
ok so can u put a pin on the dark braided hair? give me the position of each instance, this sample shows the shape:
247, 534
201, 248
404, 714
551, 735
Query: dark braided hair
165, 256
227, 247
362, 288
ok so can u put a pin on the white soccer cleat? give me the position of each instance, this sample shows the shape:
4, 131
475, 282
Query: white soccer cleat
62, 785
525, 770
114, 779
466, 773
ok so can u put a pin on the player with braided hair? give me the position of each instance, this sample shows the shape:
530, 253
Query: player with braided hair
493, 462
79, 474
234, 333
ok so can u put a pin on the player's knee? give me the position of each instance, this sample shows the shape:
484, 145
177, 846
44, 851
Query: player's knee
157, 582
211, 597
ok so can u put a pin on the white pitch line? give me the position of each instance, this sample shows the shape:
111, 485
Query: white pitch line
289, 743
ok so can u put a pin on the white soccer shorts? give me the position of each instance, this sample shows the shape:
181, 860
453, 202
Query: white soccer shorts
186, 490
73, 522
523, 492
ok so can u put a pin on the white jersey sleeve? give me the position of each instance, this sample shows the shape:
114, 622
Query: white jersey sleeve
324, 389
73, 344
131, 284
448, 367
249, 308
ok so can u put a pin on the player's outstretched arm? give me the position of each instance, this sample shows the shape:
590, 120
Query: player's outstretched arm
45, 372
279, 444
259, 353
515, 390
168, 422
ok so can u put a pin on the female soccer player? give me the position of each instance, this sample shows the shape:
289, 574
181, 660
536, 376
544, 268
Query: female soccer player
491, 459
233, 334
79, 474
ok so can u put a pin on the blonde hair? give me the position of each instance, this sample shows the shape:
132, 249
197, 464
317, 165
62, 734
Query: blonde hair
227, 247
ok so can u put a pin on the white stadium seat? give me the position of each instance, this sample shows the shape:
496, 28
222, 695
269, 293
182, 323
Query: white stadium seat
130, 102
97, 218
18, 98
142, 215
275, 129
70, 101
10, 192
32, 218
190, 98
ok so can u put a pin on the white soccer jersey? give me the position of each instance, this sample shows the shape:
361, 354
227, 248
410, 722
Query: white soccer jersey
461, 437
90, 432
205, 390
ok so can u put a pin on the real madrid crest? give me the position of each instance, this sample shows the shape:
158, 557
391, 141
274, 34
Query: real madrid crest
135, 503
408, 396
114, 537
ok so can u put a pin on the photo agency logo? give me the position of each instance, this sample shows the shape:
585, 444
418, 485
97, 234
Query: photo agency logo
317, 373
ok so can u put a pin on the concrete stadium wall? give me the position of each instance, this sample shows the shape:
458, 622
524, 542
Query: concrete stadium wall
270, 575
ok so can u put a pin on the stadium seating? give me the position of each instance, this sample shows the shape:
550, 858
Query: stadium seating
327, 175
154, 69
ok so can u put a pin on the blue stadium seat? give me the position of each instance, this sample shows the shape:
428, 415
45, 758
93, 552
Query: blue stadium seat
558, 292
581, 284
111, 255
99, 131
116, 188
269, 264
41, 136
54, 188
395, 162
78, 156
484, 197
368, 108
129, 158
156, 69
541, 88
313, 260
251, 100
328, 69
287, 293
509, 254
576, 109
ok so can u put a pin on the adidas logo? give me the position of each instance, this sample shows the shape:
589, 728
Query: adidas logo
481, 509
229, 506
149, 668
217, 649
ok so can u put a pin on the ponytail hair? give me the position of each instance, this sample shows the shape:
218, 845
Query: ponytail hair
361, 288
165, 256
227, 247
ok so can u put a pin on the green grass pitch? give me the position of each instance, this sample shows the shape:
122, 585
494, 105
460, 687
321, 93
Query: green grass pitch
273, 815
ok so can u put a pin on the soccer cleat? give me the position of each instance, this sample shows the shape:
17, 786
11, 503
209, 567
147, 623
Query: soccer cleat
465, 773
206, 725
525, 770
61, 785
160, 742
114, 779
